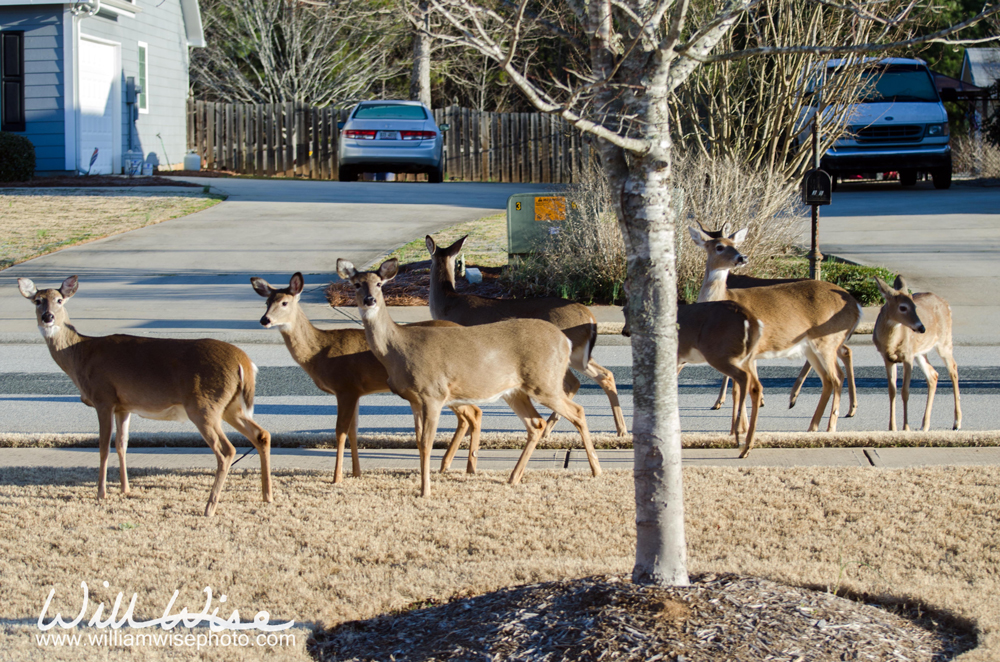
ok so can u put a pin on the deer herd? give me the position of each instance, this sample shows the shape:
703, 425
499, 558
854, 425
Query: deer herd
478, 350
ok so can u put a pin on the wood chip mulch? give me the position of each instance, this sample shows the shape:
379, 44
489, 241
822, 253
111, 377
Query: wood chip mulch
411, 286
717, 617
102, 181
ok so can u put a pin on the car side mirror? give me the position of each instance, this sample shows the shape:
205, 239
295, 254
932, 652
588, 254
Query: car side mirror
444, 127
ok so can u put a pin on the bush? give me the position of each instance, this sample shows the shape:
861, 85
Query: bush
976, 158
17, 158
855, 278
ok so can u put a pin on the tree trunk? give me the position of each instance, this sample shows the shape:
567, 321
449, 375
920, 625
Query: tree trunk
648, 224
420, 75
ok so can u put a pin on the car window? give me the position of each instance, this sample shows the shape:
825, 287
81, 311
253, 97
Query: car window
389, 112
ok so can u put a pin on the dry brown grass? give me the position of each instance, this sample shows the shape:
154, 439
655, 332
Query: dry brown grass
324, 554
34, 222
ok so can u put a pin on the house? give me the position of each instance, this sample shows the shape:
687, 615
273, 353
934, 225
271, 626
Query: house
97, 77
981, 67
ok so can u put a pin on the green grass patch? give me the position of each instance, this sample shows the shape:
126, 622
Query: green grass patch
485, 247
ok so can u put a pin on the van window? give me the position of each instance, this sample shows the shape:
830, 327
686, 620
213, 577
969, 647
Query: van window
897, 82
389, 112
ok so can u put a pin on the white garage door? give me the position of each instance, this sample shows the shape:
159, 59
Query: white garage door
98, 105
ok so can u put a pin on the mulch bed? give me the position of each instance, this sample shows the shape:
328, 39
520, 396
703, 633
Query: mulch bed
96, 180
726, 617
411, 287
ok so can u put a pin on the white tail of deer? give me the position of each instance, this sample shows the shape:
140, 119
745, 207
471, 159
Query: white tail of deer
810, 318
573, 319
205, 381
430, 367
339, 362
907, 328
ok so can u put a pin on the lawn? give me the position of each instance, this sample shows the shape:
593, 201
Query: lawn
34, 222
322, 554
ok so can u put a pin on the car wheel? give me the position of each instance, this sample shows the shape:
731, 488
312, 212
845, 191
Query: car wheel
908, 177
436, 175
347, 174
941, 177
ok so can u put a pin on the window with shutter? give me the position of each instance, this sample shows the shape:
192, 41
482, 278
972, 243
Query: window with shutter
12, 81
143, 77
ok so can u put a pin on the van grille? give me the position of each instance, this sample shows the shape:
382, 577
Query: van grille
888, 133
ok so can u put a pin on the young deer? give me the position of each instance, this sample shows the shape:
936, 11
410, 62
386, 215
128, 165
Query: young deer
901, 336
724, 335
740, 282
573, 319
430, 367
811, 317
339, 362
205, 381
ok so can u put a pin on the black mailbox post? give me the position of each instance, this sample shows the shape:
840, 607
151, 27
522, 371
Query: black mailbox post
817, 187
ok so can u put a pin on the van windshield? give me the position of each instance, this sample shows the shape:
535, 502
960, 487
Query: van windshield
897, 82
389, 112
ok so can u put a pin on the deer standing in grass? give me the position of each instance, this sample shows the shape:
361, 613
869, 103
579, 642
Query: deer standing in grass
205, 381
907, 328
740, 282
810, 318
339, 362
518, 360
724, 335
573, 319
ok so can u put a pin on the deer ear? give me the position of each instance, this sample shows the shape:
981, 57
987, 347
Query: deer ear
296, 284
901, 285
739, 237
699, 237
884, 288
389, 269
345, 269
261, 286
456, 247
27, 288
69, 287
431, 246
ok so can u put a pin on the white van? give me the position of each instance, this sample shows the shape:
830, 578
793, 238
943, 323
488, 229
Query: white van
899, 125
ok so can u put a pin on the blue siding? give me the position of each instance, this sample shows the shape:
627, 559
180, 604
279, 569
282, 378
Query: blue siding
43, 97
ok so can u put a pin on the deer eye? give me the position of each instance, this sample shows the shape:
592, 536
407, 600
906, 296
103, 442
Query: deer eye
38, 302
719, 249
284, 303
378, 285
357, 286
59, 300
903, 308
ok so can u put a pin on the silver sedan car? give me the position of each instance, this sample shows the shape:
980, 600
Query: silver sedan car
391, 136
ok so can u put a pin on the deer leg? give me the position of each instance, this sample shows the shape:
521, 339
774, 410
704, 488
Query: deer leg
353, 436
477, 427
347, 408
847, 356
570, 385
461, 427
521, 404
122, 419
105, 416
756, 395
739, 402
797, 388
573, 412
907, 373
721, 400
261, 440
430, 413
606, 379
211, 431
932, 379
822, 368
890, 371
945, 352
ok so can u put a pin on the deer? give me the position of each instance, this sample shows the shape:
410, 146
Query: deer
205, 381
739, 282
907, 328
725, 335
518, 360
340, 363
811, 317
573, 319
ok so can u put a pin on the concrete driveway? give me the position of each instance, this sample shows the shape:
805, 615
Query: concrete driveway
946, 242
190, 276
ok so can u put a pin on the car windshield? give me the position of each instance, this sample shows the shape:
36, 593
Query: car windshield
389, 112
897, 82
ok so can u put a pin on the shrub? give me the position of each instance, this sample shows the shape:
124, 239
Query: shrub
17, 158
857, 279
977, 158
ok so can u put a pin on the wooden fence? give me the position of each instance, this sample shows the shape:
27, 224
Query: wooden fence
294, 140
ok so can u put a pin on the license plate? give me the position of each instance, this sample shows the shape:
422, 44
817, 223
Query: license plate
388, 135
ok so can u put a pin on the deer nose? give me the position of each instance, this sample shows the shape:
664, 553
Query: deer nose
48, 318
740, 260
921, 329
265, 320
369, 300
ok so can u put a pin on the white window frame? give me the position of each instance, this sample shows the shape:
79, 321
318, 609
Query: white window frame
143, 74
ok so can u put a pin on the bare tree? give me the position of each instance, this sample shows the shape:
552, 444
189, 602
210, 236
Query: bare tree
641, 51
420, 76
266, 51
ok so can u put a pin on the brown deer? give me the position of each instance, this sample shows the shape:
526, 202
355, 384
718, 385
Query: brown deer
740, 282
724, 335
339, 362
574, 319
205, 381
810, 318
907, 328
518, 360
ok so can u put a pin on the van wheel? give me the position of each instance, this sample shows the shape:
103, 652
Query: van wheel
908, 177
941, 177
